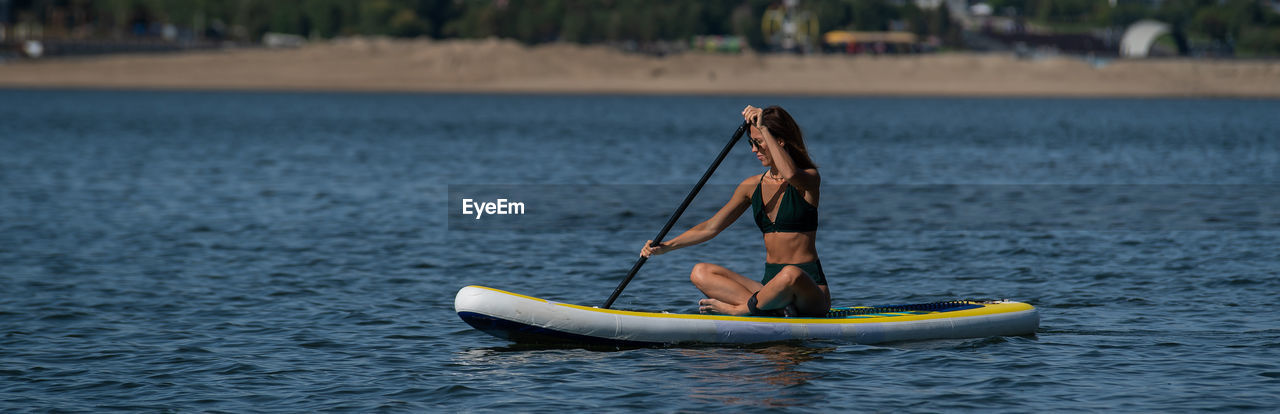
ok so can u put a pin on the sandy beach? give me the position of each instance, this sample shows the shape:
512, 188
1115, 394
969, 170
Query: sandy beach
501, 66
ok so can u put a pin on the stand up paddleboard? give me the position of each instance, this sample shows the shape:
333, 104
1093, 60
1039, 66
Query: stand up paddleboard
529, 320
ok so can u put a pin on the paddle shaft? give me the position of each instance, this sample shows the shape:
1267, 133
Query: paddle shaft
679, 210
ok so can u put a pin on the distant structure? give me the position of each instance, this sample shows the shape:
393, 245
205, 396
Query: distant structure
719, 44
850, 42
790, 29
1138, 38
283, 40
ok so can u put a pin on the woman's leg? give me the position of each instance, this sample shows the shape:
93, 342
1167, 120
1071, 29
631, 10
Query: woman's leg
727, 291
792, 286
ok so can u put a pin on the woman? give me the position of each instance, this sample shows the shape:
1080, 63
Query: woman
784, 201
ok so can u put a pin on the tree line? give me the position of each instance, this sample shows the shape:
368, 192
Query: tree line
1250, 25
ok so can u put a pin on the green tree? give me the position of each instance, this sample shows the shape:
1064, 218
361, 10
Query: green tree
406, 23
873, 15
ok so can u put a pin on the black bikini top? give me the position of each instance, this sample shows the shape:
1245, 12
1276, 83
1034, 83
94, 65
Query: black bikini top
794, 214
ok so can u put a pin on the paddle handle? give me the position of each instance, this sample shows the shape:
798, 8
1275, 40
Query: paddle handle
679, 210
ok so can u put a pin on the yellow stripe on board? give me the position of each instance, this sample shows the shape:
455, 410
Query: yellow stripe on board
986, 309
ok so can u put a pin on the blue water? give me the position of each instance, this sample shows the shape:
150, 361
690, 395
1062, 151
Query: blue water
184, 251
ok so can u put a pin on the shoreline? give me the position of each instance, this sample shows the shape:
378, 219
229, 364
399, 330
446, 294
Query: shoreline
504, 67
626, 92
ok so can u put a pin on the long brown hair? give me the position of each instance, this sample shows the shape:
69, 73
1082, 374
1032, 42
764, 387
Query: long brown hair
784, 128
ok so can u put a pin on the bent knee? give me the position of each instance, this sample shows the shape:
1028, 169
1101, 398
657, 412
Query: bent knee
791, 274
701, 271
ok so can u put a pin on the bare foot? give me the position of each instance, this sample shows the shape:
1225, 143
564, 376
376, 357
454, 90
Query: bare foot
715, 306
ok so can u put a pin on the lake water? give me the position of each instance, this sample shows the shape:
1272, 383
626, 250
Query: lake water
185, 251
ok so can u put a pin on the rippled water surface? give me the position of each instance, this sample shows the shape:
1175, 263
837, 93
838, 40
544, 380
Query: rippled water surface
298, 252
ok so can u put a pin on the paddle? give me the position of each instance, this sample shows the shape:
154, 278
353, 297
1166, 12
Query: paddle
679, 210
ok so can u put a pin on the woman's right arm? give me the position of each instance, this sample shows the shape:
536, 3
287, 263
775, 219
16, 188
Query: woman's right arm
708, 229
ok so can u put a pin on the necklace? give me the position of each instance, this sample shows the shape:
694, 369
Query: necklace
778, 178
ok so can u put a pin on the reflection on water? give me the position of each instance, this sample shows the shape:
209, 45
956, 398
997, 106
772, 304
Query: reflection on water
768, 377
515, 356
